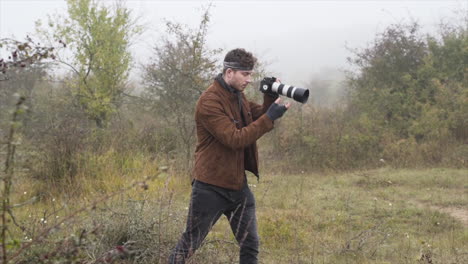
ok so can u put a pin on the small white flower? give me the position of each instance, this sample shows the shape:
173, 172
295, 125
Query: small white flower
56, 216
25, 193
53, 200
186, 208
382, 160
389, 204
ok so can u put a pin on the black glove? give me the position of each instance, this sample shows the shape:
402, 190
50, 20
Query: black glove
272, 95
276, 111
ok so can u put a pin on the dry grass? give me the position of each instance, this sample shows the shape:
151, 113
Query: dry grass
357, 217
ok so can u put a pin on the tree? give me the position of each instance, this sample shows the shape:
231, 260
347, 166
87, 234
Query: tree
412, 91
181, 69
446, 64
412, 85
388, 86
99, 37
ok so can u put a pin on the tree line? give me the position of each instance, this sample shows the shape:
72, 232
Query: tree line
404, 104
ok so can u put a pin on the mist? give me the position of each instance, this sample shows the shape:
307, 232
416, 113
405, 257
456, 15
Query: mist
296, 39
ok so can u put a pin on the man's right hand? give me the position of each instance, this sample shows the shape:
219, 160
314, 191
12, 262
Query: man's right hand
268, 91
277, 109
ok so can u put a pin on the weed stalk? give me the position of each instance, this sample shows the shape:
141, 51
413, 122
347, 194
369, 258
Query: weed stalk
8, 176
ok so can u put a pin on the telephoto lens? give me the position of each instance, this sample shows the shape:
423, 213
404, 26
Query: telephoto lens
269, 85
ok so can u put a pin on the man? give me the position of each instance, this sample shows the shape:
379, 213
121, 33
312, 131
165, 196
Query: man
228, 125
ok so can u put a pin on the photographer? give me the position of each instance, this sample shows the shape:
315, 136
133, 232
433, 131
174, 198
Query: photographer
228, 126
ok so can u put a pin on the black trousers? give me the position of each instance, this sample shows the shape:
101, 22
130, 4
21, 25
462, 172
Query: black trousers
207, 204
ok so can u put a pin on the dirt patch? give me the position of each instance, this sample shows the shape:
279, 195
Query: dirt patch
458, 213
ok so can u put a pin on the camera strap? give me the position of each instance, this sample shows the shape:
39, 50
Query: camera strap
239, 99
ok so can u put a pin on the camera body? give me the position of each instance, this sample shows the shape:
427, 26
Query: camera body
269, 85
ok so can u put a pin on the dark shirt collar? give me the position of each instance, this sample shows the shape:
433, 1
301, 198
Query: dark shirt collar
223, 83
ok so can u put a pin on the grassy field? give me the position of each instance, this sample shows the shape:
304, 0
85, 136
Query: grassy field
378, 216
375, 216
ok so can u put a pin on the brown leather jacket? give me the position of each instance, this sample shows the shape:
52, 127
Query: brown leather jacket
224, 147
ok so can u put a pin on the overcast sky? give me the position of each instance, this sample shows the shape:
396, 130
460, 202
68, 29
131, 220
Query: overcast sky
298, 38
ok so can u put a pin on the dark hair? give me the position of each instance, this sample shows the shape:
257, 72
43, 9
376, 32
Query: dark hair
241, 56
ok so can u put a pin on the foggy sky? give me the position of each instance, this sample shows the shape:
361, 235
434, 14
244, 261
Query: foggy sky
296, 38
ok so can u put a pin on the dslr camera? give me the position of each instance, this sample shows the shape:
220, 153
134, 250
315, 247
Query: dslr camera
270, 86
